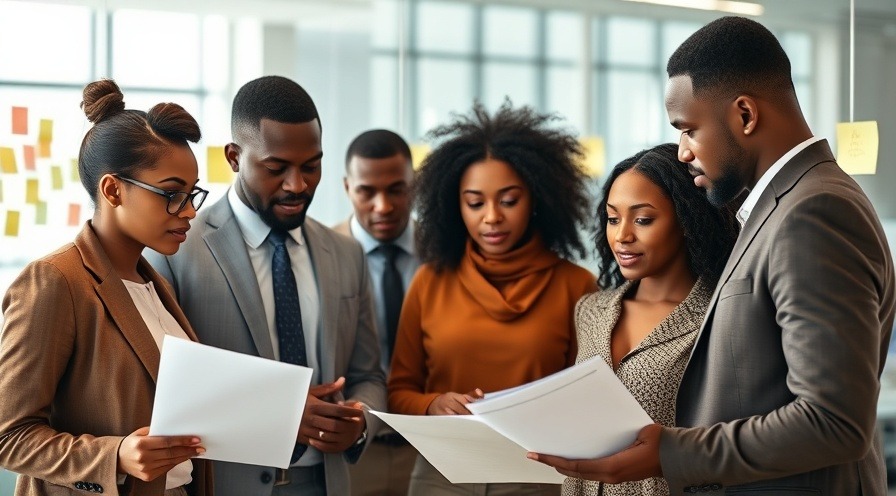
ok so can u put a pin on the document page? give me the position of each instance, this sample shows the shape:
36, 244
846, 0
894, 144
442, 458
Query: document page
580, 412
466, 450
246, 409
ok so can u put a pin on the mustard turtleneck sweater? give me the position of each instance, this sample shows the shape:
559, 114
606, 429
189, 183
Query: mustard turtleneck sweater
495, 322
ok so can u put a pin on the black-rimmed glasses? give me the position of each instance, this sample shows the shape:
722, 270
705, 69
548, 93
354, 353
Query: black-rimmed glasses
177, 200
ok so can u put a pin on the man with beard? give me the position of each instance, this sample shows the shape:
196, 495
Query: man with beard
379, 177
780, 393
257, 277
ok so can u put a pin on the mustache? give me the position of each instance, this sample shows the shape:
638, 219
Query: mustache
293, 198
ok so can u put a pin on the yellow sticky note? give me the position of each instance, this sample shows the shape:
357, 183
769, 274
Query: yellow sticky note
40, 216
56, 176
46, 130
20, 120
12, 224
75, 175
8, 160
31, 186
857, 144
419, 151
219, 170
43, 149
595, 160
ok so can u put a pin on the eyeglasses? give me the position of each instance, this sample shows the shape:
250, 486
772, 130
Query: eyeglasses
177, 200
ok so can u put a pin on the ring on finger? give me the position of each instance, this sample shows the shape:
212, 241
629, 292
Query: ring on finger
320, 434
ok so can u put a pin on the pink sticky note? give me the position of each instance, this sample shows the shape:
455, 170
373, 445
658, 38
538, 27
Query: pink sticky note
74, 214
28, 152
20, 120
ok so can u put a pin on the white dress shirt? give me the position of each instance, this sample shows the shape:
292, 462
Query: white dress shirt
406, 263
255, 233
160, 322
743, 213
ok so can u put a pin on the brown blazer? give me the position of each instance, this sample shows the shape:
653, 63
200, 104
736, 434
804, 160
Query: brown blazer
77, 374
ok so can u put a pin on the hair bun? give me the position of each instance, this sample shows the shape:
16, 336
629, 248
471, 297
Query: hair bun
102, 99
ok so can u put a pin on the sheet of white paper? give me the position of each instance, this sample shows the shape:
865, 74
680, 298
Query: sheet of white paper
580, 412
245, 409
466, 450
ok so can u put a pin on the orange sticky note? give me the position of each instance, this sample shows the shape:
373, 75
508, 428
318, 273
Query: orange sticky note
56, 176
43, 149
8, 160
28, 152
74, 214
31, 187
20, 120
40, 214
219, 170
12, 224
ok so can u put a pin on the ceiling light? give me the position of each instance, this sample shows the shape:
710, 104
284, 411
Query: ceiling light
743, 8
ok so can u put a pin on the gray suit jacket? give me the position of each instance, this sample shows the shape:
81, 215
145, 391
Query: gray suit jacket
780, 392
216, 286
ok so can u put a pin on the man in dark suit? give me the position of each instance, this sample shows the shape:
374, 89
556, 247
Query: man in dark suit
257, 276
780, 393
379, 180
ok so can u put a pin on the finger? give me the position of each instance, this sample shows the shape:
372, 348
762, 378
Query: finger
327, 389
335, 411
550, 460
143, 431
476, 394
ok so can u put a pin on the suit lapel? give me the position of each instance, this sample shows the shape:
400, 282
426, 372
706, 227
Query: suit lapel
225, 241
325, 268
117, 300
783, 182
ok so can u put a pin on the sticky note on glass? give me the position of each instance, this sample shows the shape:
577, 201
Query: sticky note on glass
595, 160
74, 214
12, 223
20, 120
857, 144
31, 186
8, 160
28, 154
56, 176
75, 175
219, 170
40, 216
419, 151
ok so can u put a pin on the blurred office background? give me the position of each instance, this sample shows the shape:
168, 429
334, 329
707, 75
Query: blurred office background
405, 65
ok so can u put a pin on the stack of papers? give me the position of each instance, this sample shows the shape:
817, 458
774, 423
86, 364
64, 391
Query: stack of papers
581, 412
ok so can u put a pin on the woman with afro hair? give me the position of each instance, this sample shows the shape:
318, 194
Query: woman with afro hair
500, 202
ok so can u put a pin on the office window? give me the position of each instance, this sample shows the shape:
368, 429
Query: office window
145, 56
443, 86
510, 31
430, 27
508, 80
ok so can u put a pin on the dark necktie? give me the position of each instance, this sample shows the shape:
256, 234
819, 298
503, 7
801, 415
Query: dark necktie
393, 294
287, 313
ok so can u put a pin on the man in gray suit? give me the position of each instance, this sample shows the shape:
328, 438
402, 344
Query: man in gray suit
780, 393
257, 277
379, 177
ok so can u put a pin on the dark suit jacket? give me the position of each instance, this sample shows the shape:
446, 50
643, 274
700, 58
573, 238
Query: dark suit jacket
216, 285
781, 389
77, 373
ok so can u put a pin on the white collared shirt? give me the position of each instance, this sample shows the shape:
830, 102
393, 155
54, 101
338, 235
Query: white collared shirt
160, 322
743, 213
255, 233
406, 262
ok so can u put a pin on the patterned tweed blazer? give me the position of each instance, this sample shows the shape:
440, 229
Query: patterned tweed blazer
652, 371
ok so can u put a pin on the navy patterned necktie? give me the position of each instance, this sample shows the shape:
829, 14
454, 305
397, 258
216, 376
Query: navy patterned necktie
287, 312
393, 294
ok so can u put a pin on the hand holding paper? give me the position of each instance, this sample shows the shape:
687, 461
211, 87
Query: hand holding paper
147, 457
329, 426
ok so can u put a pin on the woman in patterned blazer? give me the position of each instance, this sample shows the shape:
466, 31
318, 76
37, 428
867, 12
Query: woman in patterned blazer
662, 246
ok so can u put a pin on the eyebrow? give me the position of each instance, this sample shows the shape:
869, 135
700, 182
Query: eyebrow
500, 191
279, 160
173, 179
633, 207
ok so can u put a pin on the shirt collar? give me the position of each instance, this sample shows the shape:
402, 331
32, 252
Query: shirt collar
405, 241
254, 230
743, 213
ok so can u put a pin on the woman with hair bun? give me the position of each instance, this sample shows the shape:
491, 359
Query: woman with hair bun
80, 346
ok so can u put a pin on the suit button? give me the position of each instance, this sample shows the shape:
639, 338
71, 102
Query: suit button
691, 489
79, 485
716, 486
266, 477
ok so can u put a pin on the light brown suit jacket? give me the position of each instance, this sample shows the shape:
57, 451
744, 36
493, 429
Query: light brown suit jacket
344, 227
77, 374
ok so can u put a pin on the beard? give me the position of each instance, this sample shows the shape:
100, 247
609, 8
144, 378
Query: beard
729, 184
270, 218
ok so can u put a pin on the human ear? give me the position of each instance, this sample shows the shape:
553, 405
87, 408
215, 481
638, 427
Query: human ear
232, 154
109, 190
748, 113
